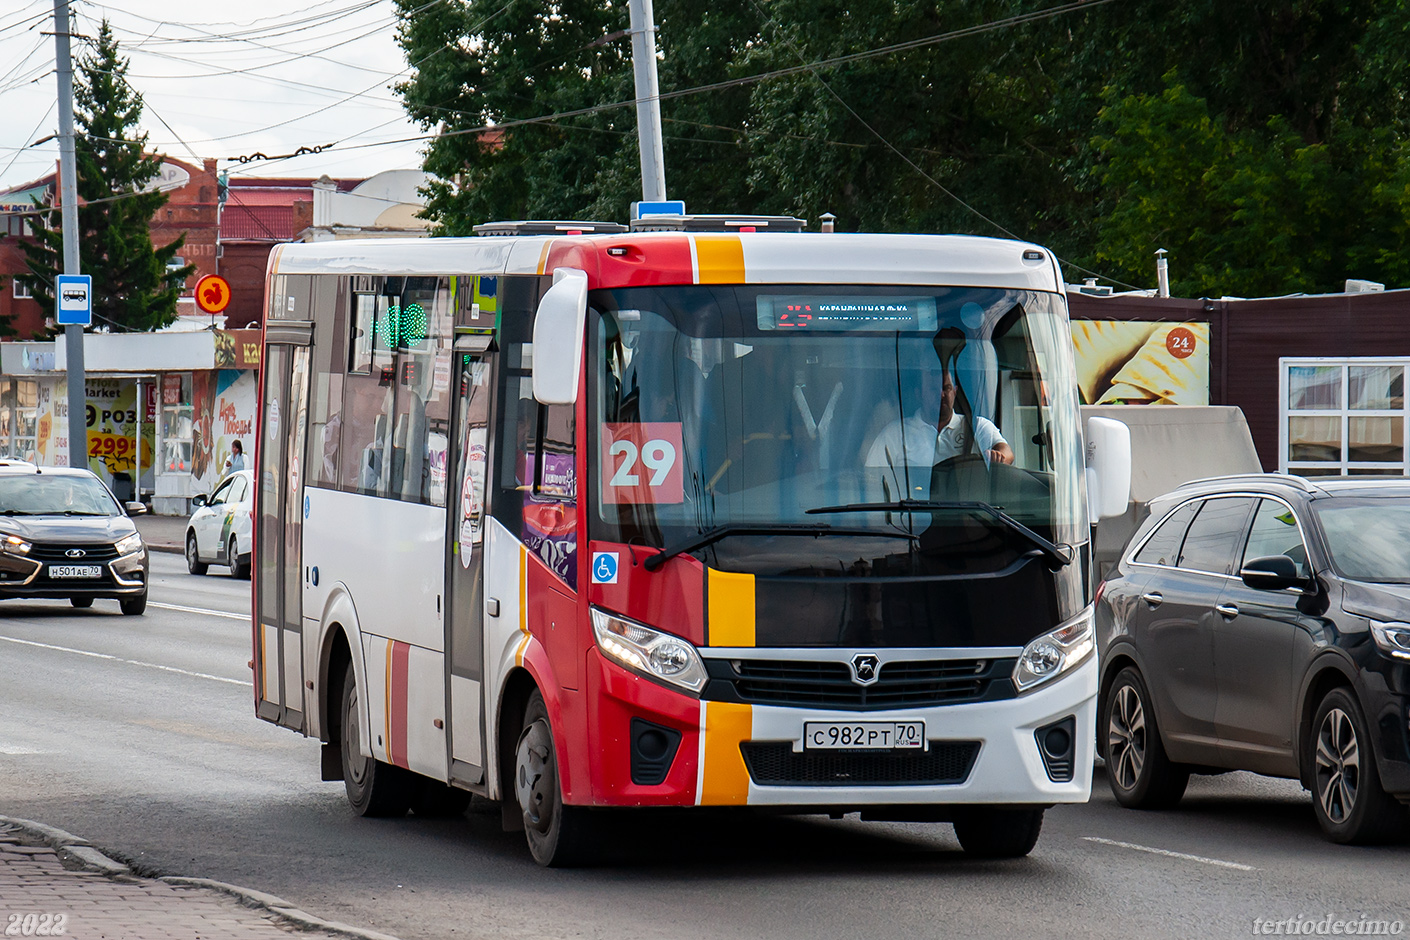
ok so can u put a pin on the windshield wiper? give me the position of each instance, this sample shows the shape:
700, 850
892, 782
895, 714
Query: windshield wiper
714, 535
1059, 556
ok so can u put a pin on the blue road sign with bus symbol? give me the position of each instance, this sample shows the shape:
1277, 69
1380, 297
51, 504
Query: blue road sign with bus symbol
604, 567
74, 293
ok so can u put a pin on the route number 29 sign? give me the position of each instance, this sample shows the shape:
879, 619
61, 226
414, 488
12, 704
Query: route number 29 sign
641, 463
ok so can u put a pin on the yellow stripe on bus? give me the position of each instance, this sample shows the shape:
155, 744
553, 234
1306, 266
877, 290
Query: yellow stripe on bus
543, 255
387, 706
523, 604
719, 259
731, 605
724, 779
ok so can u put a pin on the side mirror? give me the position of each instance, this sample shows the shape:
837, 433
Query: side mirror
1108, 468
198, 500
1272, 573
558, 338
135, 509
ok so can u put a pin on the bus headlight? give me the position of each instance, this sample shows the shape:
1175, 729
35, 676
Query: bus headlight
649, 652
1055, 653
127, 546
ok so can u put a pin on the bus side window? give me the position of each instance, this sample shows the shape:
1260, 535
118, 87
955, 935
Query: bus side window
550, 521
364, 318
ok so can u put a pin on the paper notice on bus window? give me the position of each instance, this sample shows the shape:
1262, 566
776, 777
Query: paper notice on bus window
641, 463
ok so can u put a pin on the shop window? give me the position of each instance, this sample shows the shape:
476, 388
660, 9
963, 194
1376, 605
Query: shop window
19, 407
1343, 417
177, 422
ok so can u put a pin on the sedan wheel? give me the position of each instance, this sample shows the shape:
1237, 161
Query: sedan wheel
1350, 804
193, 557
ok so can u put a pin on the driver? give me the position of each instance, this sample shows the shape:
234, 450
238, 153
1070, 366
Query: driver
923, 446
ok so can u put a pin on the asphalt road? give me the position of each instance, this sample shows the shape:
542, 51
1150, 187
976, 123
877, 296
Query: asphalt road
139, 734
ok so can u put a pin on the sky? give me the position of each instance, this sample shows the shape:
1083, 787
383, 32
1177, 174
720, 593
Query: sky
223, 80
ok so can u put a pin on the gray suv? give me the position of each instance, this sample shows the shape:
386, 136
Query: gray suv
64, 535
1262, 623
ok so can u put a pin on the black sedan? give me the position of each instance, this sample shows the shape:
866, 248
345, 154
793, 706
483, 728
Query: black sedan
1262, 623
64, 535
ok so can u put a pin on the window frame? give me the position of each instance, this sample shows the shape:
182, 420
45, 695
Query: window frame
1301, 534
1345, 466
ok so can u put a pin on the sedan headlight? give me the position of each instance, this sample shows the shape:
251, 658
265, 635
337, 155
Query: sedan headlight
649, 652
14, 545
1392, 638
127, 546
1055, 653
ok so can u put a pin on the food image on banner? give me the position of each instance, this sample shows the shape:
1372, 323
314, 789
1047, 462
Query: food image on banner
1141, 363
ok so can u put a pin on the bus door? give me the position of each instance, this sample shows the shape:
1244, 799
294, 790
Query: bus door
469, 452
278, 586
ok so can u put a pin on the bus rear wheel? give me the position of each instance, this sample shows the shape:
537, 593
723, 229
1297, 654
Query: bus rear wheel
999, 833
374, 788
558, 834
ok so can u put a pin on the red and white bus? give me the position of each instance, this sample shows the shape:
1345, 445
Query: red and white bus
587, 520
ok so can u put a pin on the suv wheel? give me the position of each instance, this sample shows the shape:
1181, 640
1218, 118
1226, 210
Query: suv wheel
1140, 774
238, 569
1347, 797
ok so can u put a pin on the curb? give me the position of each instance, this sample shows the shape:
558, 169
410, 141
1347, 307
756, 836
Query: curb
79, 850
165, 548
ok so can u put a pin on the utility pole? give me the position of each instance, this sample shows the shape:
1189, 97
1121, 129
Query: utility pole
648, 102
68, 203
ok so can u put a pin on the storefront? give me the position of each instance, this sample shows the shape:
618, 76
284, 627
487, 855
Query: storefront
163, 409
1320, 379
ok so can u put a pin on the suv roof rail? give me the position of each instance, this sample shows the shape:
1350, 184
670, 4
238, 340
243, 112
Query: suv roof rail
549, 227
1287, 479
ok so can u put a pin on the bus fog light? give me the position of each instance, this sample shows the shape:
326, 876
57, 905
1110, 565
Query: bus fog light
1055, 653
651, 653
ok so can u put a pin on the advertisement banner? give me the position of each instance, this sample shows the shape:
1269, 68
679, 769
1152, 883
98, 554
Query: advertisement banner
112, 412
1125, 362
223, 413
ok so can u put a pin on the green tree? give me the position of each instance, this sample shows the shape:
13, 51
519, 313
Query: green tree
1263, 143
132, 286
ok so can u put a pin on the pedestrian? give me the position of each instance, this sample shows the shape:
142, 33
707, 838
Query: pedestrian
236, 460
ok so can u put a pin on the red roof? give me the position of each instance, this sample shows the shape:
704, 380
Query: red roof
264, 223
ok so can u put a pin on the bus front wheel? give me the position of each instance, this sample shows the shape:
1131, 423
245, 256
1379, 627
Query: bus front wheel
558, 834
374, 788
999, 833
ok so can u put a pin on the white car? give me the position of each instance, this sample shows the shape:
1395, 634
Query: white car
221, 530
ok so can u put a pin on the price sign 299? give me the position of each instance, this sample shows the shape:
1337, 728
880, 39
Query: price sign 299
641, 463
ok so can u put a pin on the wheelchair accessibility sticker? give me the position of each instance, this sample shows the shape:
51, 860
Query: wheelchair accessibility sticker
604, 567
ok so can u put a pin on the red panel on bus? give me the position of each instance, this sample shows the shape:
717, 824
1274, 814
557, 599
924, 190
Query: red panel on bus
626, 261
671, 598
615, 697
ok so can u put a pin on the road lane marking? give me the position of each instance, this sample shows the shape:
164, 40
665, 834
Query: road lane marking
1169, 854
130, 662
14, 750
201, 610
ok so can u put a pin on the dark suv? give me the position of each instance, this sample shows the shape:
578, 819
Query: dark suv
64, 535
1262, 623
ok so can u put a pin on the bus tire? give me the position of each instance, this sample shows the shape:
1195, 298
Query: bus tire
999, 833
374, 788
558, 835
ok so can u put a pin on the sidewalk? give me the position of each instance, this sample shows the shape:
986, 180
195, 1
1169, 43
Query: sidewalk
162, 533
50, 879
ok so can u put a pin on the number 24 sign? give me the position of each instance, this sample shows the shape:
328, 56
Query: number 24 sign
641, 463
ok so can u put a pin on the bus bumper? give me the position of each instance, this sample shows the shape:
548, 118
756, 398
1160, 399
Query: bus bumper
751, 755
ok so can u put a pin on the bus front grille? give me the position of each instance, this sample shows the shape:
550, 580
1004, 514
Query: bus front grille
777, 764
899, 684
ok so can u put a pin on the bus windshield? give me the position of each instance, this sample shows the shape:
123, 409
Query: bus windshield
899, 413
